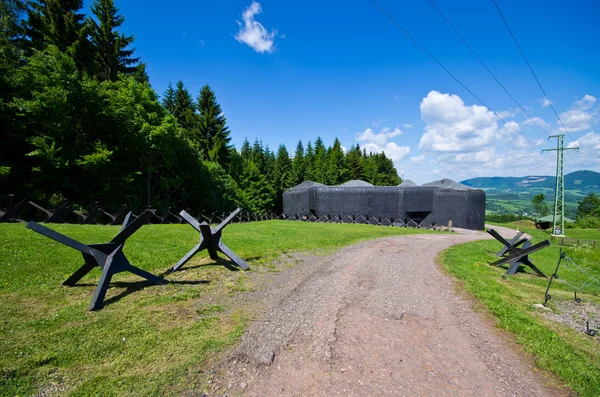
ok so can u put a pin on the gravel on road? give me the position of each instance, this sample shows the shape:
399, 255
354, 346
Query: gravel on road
377, 318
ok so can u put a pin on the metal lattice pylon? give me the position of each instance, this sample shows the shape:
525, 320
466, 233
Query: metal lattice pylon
558, 223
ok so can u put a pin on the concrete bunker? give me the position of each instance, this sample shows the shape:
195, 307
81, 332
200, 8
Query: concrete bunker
432, 203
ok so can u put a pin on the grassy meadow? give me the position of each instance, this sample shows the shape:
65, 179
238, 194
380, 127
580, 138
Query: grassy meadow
148, 340
569, 353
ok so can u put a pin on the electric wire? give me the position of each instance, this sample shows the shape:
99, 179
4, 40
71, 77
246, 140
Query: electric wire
532, 72
450, 73
488, 69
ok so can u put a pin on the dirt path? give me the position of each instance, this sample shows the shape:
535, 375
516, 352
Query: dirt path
376, 318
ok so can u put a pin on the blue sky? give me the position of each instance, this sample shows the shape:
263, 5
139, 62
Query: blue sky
285, 71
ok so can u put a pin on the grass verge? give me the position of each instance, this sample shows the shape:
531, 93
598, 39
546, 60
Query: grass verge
572, 355
148, 340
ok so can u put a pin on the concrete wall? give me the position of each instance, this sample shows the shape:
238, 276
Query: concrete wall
429, 204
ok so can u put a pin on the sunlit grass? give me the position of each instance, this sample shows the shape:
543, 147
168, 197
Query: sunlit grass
572, 355
148, 340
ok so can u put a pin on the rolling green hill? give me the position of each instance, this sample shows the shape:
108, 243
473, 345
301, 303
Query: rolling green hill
513, 195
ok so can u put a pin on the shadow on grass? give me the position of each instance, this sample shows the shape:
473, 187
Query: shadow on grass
228, 264
140, 285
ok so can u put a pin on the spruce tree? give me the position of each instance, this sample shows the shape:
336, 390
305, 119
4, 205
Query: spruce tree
168, 99
257, 193
112, 55
257, 155
59, 23
246, 151
320, 161
283, 175
354, 163
184, 111
310, 163
299, 164
212, 132
336, 172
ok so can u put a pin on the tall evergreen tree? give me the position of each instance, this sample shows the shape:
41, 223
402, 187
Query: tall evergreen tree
60, 23
257, 155
320, 161
336, 172
283, 175
299, 164
168, 99
354, 163
184, 110
310, 162
257, 193
246, 152
212, 132
112, 53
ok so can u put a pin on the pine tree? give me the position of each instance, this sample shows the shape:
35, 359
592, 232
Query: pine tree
246, 151
168, 99
386, 172
370, 168
310, 163
112, 55
236, 164
257, 155
299, 164
212, 131
141, 75
354, 163
59, 23
336, 172
320, 161
257, 193
184, 111
283, 175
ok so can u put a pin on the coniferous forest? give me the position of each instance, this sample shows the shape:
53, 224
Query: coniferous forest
79, 120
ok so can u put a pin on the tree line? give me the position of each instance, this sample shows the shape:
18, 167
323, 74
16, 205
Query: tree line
80, 120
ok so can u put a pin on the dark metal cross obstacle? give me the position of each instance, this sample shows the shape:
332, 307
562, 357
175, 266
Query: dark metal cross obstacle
10, 212
109, 256
210, 239
515, 242
56, 215
517, 256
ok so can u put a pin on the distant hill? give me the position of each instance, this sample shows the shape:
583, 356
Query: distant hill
583, 182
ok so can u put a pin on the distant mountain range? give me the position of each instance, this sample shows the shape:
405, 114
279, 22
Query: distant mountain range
583, 182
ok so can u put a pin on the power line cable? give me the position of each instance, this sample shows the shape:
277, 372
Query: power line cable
488, 69
450, 73
531, 69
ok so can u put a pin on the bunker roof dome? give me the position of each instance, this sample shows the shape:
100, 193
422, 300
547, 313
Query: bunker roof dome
448, 184
356, 183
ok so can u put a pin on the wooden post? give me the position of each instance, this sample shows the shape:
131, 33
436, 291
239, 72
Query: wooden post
450, 225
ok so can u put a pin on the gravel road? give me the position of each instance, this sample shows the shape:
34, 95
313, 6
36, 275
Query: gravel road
377, 318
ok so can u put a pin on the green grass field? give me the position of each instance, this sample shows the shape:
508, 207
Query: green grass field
572, 355
148, 340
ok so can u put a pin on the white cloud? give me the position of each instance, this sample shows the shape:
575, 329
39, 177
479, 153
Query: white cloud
451, 126
377, 123
588, 155
532, 121
202, 43
586, 102
420, 160
379, 142
507, 113
580, 116
407, 125
380, 139
545, 103
396, 97
253, 33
